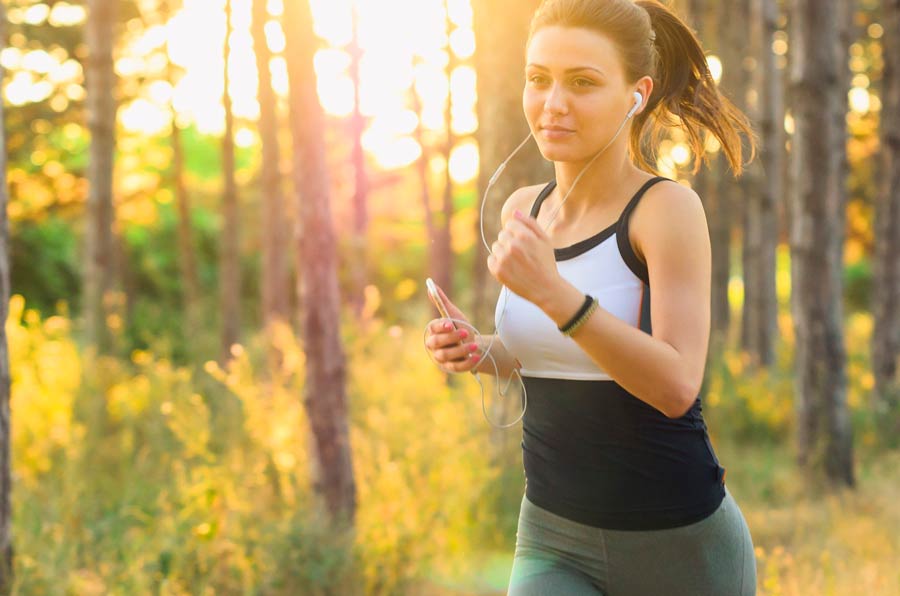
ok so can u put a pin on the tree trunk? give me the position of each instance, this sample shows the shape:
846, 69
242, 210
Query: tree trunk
359, 262
501, 32
190, 281
188, 259
230, 280
824, 431
748, 208
707, 184
101, 114
442, 267
6, 546
886, 303
729, 192
761, 230
325, 387
422, 172
274, 233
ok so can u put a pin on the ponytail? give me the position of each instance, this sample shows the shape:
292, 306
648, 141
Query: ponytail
687, 94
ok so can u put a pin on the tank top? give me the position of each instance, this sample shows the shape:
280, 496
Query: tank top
592, 452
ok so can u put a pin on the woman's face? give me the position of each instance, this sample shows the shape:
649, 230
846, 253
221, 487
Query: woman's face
575, 84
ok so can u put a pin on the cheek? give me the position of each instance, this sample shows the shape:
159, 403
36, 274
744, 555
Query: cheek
532, 104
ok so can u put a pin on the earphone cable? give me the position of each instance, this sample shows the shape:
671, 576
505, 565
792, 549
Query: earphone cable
506, 291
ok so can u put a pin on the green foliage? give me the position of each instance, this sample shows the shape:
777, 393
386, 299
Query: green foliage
858, 283
44, 263
143, 476
747, 404
203, 155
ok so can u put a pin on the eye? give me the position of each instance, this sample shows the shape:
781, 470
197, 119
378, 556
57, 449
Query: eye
536, 79
581, 82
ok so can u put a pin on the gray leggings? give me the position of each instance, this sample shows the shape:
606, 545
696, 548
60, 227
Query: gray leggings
557, 556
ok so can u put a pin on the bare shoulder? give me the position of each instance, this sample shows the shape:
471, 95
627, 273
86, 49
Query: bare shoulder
521, 199
667, 211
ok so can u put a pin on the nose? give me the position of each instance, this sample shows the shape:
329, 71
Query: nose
556, 100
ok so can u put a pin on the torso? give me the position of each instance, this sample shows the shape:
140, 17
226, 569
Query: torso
592, 452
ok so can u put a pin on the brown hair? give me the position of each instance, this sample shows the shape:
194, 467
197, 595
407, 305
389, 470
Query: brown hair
652, 40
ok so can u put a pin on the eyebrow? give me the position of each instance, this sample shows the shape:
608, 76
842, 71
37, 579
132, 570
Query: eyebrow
568, 70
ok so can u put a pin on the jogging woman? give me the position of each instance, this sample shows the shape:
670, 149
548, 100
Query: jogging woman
607, 314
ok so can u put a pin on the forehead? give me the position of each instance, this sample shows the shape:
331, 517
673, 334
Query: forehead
561, 48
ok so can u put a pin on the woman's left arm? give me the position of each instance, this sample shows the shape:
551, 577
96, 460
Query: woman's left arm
666, 369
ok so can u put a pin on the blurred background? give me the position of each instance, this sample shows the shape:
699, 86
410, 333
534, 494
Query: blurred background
220, 217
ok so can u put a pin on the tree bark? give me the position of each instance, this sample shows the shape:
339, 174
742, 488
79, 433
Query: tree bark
761, 230
422, 172
188, 260
359, 262
325, 387
229, 259
704, 18
190, 281
501, 33
101, 114
732, 42
274, 233
6, 546
442, 266
824, 431
886, 302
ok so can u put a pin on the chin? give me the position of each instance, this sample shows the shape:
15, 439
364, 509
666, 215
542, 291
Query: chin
552, 152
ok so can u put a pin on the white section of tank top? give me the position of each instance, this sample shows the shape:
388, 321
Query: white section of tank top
533, 337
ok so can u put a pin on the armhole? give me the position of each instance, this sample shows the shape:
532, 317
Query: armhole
638, 267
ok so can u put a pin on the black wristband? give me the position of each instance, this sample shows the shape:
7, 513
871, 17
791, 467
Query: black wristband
588, 301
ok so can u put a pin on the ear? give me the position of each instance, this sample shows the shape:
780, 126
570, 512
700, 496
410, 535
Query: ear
644, 86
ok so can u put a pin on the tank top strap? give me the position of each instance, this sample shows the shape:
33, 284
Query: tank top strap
638, 267
536, 207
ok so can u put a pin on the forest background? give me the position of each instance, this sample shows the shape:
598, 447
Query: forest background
213, 378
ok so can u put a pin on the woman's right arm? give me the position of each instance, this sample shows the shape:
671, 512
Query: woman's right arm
452, 349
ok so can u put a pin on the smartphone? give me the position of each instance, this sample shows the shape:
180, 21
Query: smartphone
436, 299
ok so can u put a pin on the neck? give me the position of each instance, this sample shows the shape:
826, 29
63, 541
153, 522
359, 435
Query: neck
600, 186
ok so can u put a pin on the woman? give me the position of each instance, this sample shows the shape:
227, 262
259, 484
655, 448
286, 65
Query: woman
624, 494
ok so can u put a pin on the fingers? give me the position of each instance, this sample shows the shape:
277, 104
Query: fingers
512, 238
529, 222
440, 337
460, 366
456, 354
453, 350
469, 358
443, 296
439, 326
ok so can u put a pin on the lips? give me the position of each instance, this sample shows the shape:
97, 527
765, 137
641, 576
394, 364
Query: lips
556, 133
557, 128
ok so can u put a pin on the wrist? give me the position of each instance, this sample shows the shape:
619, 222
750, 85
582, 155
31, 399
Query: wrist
561, 301
579, 318
550, 292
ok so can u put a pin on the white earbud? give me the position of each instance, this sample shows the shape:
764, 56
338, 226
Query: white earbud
638, 102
